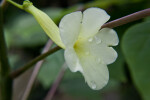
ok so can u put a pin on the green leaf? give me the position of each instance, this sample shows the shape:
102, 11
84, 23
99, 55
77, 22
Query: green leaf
25, 32
147, 19
77, 88
136, 48
118, 66
51, 68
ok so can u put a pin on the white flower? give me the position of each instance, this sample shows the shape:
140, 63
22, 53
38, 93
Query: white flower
87, 47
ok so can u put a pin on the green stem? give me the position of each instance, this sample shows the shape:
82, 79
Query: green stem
32, 62
15, 4
5, 80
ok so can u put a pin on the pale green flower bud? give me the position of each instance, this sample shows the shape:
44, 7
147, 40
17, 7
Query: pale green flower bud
43, 19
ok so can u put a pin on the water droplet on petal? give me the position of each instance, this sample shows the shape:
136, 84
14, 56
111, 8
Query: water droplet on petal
98, 41
93, 85
78, 67
90, 39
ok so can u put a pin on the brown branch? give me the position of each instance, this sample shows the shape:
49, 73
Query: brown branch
129, 18
35, 72
52, 91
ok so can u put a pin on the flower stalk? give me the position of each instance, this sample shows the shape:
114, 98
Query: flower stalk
127, 19
15, 4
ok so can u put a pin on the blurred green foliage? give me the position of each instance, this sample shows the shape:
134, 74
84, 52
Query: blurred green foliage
131, 68
50, 68
136, 47
117, 68
24, 31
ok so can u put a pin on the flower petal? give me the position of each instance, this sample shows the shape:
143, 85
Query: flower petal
94, 55
69, 28
96, 74
96, 47
93, 19
72, 60
108, 36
